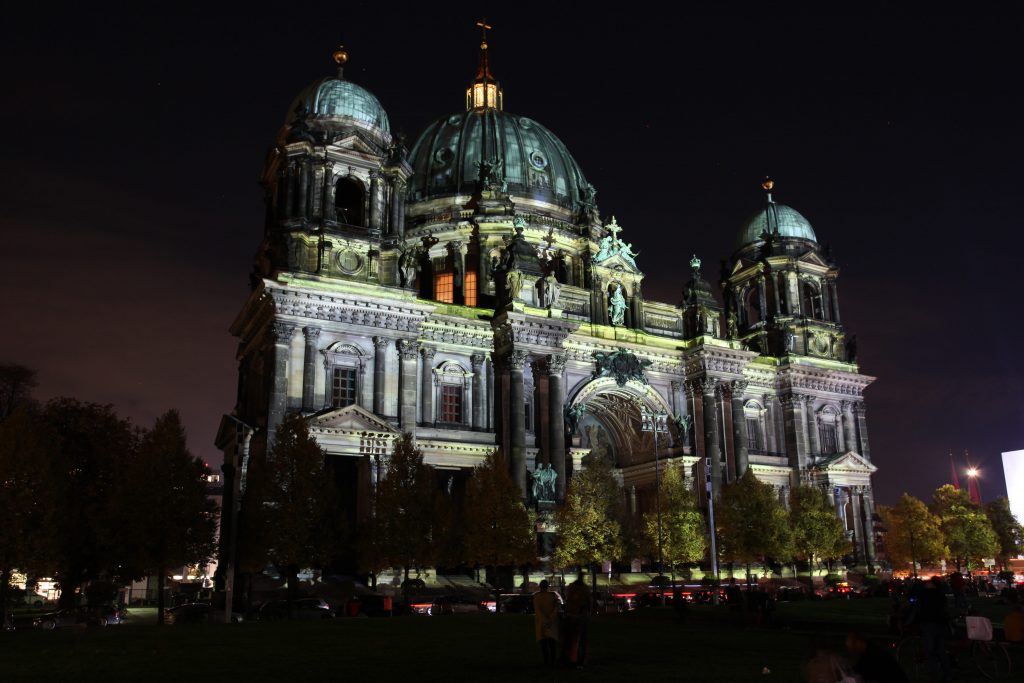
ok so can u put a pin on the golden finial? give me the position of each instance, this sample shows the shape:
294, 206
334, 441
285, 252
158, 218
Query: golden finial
768, 184
340, 56
484, 27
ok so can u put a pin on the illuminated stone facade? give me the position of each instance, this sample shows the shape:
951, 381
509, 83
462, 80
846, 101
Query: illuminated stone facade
469, 292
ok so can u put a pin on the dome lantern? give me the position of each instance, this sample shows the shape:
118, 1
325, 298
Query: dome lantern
485, 92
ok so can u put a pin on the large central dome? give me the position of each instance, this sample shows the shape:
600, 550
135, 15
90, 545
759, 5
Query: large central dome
535, 163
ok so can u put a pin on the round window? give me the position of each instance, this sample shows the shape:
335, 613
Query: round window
538, 160
349, 262
443, 156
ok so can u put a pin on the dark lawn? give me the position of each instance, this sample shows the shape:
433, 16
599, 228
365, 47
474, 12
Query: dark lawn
649, 645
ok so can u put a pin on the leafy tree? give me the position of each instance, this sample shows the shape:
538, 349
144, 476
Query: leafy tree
173, 520
683, 533
1008, 530
967, 531
16, 385
817, 532
589, 530
294, 517
913, 534
27, 498
91, 449
498, 529
752, 523
406, 521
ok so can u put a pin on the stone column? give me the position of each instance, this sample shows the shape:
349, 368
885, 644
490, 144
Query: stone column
795, 431
556, 421
869, 521
282, 337
479, 381
678, 402
374, 200
309, 369
393, 219
862, 429
380, 349
708, 387
858, 525
768, 419
400, 203
328, 213
427, 392
539, 375
842, 498
407, 385
739, 427
849, 425
783, 306
517, 418
835, 301
812, 427
303, 203
762, 303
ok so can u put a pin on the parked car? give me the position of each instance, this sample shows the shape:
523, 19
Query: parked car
92, 615
455, 604
194, 612
303, 609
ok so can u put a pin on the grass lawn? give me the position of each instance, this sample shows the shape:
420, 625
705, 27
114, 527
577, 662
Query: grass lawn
649, 645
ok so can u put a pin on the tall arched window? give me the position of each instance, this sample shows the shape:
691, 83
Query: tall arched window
349, 197
752, 412
828, 429
811, 299
752, 303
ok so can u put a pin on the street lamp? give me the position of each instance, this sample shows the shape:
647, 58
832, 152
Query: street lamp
653, 421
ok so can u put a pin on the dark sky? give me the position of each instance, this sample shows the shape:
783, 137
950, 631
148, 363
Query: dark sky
130, 210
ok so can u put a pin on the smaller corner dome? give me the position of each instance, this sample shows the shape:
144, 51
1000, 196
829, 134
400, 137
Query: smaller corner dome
785, 220
336, 98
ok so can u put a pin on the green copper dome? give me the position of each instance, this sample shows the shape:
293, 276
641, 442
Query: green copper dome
535, 163
776, 218
336, 98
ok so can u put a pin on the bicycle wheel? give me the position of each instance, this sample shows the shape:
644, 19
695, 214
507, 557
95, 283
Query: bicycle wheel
910, 655
990, 659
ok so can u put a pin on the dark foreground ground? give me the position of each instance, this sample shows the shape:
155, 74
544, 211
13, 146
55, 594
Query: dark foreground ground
711, 644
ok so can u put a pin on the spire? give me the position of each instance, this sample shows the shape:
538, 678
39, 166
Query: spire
485, 92
340, 57
952, 466
771, 214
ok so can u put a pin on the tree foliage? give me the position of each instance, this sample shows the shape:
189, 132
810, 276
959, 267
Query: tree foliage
16, 385
817, 532
498, 529
967, 531
589, 530
912, 533
683, 532
172, 520
293, 513
1008, 529
752, 523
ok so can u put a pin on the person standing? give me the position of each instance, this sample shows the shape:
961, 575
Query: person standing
578, 608
545, 622
932, 618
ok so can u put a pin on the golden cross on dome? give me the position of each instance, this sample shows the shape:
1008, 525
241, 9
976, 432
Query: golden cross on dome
484, 27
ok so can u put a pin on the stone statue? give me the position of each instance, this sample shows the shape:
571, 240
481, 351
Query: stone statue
551, 290
513, 284
538, 482
617, 306
790, 341
408, 266
684, 423
550, 477
733, 325
573, 416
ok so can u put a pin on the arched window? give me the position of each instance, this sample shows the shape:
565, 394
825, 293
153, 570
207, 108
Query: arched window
453, 383
753, 306
344, 364
349, 197
752, 413
811, 299
828, 429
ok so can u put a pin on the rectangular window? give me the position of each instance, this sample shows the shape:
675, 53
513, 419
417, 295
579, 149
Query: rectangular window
829, 439
444, 287
451, 404
753, 434
528, 422
343, 387
469, 288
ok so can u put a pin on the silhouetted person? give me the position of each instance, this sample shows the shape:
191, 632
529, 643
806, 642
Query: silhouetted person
932, 618
545, 622
577, 622
871, 662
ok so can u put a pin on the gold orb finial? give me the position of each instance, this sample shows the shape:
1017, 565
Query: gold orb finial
768, 184
340, 56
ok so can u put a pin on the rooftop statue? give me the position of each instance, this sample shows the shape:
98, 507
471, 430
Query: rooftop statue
611, 245
617, 306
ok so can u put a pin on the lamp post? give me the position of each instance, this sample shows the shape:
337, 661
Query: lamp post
653, 421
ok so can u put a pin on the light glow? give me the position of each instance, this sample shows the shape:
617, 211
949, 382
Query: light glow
973, 472
483, 96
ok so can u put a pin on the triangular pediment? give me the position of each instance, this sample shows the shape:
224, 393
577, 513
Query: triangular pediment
739, 265
847, 462
813, 258
351, 418
354, 143
619, 263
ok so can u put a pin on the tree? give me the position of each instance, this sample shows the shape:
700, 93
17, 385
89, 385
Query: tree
817, 532
589, 530
912, 533
1008, 530
91, 449
498, 530
27, 498
16, 385
405, 515
173, 520
752, 523
683, 533
294, 514
967, 531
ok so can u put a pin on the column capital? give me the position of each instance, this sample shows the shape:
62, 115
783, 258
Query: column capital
738, 386
556, 364
477, 361
283, 331
809, 400
427, 352
381, 343
312, 333
676, 385
407, 349
516, 359
704, 385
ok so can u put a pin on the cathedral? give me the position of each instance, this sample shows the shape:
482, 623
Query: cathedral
467, 290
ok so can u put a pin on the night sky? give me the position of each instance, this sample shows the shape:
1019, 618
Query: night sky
130, 210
